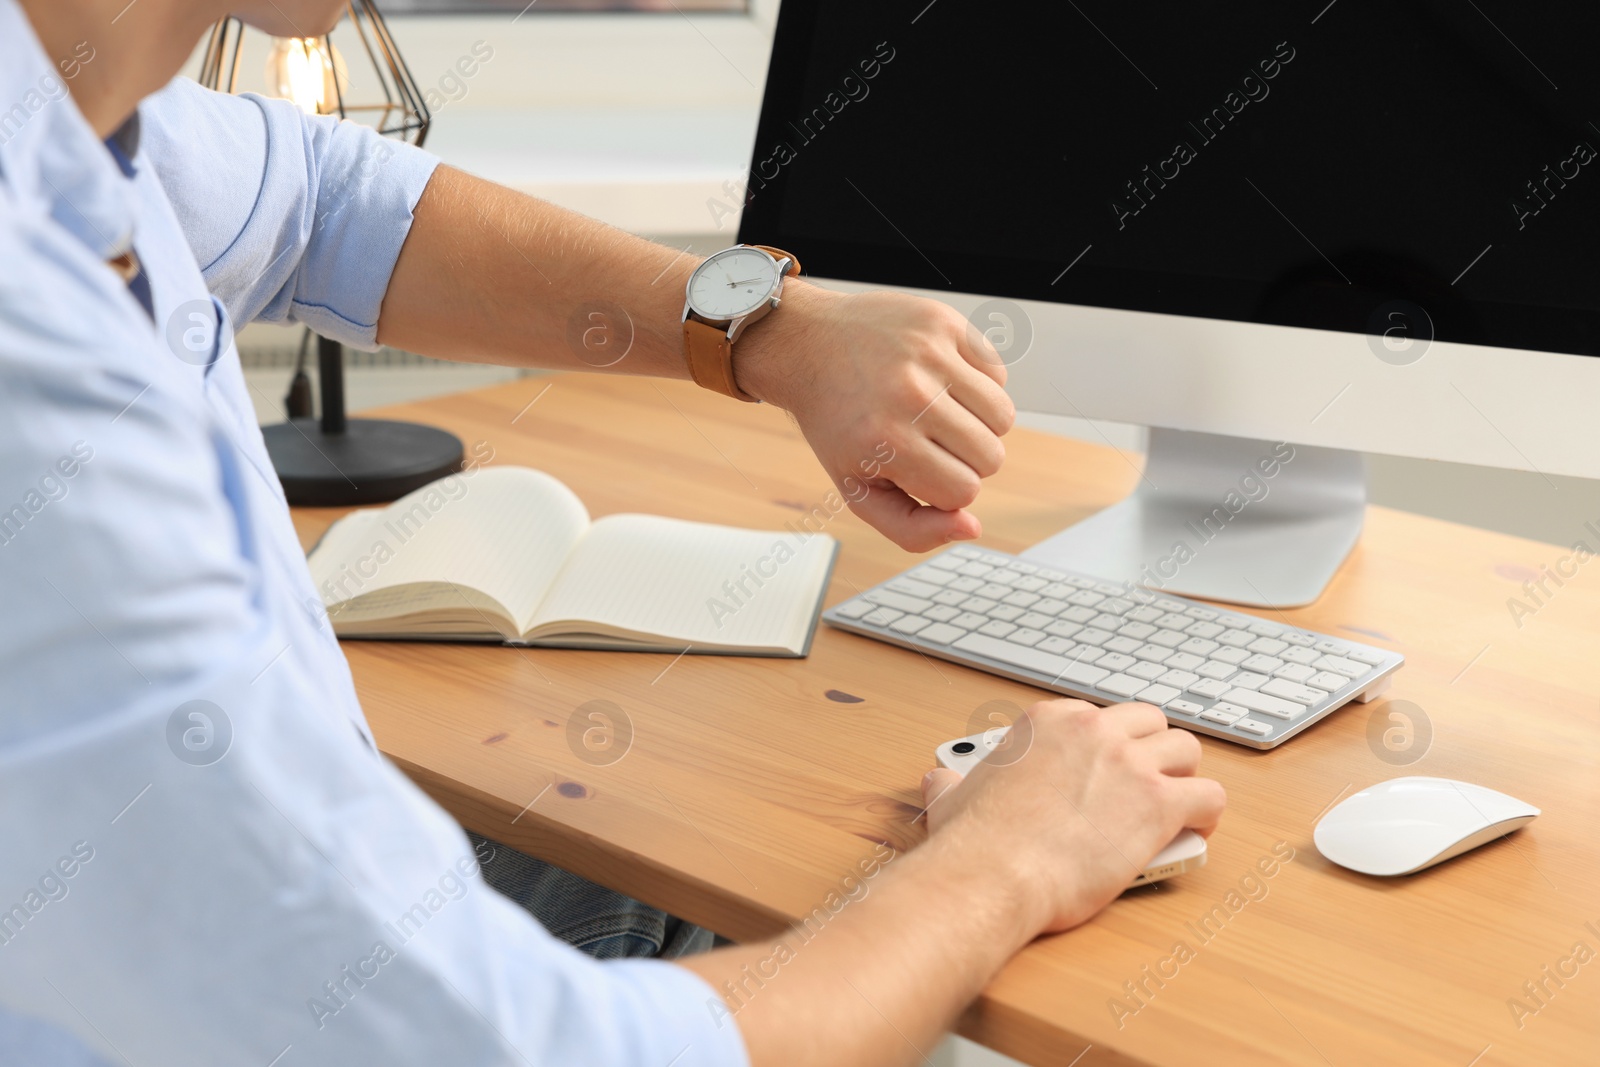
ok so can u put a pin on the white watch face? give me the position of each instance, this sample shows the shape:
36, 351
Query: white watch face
732, 283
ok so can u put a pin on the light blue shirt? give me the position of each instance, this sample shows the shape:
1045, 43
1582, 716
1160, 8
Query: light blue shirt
204, 860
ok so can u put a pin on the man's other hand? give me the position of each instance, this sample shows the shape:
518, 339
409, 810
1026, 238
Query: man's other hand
900, 398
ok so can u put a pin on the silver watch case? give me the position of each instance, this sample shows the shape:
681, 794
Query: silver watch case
736, 326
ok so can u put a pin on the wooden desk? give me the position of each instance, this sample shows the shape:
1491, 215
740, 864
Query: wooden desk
752, 785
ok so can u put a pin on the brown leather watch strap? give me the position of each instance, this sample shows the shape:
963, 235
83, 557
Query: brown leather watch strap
710, 353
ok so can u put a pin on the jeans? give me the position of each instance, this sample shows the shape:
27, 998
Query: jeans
601, 922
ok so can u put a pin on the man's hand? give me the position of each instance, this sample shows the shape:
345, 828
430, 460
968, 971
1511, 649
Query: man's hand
899, 397
1075, 801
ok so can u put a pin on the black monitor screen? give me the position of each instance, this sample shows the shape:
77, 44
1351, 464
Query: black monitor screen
1306, 164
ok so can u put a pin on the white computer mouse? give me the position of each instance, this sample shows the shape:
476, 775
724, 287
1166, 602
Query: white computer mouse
1406, 824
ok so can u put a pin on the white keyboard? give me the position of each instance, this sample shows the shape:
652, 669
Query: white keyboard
1212, 670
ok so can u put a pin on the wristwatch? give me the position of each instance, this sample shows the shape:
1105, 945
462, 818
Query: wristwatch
725, 294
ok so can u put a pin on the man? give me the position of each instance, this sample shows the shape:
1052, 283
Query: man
205, 859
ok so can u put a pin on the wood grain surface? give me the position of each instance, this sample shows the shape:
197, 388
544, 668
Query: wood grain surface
738, 792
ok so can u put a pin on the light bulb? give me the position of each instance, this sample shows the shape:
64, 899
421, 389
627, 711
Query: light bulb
304, 69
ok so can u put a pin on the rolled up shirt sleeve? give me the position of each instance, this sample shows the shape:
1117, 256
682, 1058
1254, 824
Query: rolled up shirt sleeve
294, 218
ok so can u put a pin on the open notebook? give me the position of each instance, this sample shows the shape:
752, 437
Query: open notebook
509, 554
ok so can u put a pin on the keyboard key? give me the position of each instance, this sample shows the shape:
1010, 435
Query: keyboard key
1226, 714
1263, 704
930, 576
1056, 667
1251, 726
1050, 606
1267, 646
1262, 664
1174, 620
1079, 583
1299, 655
940, 633
1034, 621
882, 616
1031, 584
1051, 575
1197, 646
1004, 612
1184, 661
1168, 604
911, 587
1086, 654
1203, 629
910, 624
1004, 579
1078, 614
1125, 645
1092, 636
1209, 687
1328, 648
1235, 638
1294, 672
1024, 567
1168, 638
966, 585
1147, 670
978, 603
1263, 628
946, 562
1107, 621
949, 596
1180, 679
997, 559
1122, 685
1300, 694
1248, 680
1153, 653
1145, 614
1213, 669
1115, 661
1020, 599
1058, 645
1234, 656
1203, 614
1026, 637
1116, 606
1137, 630
852, 609
993, 590
887, 599
1370, 656
975, 569
969, 620
1157, 694
1329, 681
940, 613
996, 628
1107, 588
1085, 598
1303, 640
965, 552
1060, 628
1347, 667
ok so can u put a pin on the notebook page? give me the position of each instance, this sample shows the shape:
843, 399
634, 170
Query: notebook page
681, 581
503, 530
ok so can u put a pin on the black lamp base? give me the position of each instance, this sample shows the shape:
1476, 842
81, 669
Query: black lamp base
371, 462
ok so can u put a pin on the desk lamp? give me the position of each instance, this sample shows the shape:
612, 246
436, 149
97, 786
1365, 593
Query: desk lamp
335, 460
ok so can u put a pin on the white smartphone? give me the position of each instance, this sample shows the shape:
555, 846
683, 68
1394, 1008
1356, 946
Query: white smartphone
1186, 852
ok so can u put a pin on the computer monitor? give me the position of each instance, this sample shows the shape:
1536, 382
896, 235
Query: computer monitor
1279, 235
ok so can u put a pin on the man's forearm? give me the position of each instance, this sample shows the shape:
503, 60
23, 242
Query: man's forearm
490, 275
884, 978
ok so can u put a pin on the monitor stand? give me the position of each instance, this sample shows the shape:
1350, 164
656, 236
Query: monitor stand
1205, 521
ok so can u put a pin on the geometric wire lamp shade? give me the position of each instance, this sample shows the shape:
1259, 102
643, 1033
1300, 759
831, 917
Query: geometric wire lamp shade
336, 461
